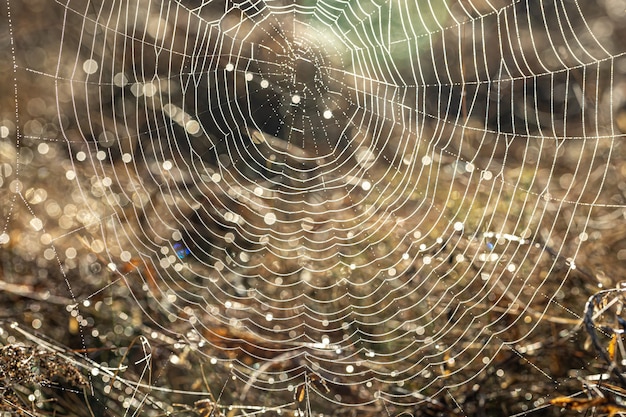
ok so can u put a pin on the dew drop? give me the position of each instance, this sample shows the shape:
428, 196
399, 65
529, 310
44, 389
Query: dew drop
120, 80
192, 127
90, 66
36, 224
269, 218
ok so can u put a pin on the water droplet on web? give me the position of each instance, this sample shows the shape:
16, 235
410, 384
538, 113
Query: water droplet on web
149, 89
90, 66
49, 254
137, 89
327, 114
365, 157
295, 99
120, 79
192, 127
230, 67
36, 224
269, 218
70, 253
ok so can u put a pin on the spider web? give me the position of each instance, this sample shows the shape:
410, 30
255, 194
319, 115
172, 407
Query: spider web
313, 207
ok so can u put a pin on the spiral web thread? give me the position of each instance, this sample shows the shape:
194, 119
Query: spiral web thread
313, 205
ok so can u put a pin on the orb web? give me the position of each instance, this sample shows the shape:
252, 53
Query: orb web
328, 205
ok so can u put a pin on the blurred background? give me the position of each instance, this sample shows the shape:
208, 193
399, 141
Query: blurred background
312, 208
